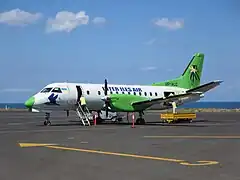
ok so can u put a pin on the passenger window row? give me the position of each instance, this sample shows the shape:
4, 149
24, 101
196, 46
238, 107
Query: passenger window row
134, 93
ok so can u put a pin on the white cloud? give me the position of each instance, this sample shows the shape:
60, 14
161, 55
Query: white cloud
151, 41
67, 21
149, 68
15, 90
169, 24
18, 17
99, 20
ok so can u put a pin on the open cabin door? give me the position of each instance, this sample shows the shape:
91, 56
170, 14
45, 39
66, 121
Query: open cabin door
167, 94
79, 93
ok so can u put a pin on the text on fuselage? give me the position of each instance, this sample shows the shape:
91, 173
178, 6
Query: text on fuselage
128, 89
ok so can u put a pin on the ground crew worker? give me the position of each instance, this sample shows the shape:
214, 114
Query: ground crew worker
174, 106
83, 103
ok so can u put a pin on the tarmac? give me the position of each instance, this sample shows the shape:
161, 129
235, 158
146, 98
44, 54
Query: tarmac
207, 148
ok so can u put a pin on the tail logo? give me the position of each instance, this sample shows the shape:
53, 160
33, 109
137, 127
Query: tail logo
194, 73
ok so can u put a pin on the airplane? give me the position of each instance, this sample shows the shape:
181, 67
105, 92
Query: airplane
183, 89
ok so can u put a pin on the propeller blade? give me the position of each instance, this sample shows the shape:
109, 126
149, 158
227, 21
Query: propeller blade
106, 98
105, 87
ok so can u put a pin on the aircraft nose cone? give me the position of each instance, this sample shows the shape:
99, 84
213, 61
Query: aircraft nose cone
29, 103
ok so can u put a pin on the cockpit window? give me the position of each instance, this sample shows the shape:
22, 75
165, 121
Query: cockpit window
57, 90
46, 90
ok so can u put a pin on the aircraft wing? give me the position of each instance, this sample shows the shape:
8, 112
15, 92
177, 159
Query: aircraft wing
206, 87
176, 98
194, 93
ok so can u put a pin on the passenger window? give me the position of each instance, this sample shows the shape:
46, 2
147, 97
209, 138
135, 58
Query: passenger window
155, 94
150, 94
129, 93
134, 93
123, 92
45, 90
111, 92
57, 90
145, 93
117, 92
88, 92
99, 93
140, 93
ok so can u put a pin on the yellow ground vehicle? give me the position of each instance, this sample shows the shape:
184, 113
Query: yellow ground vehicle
177, 117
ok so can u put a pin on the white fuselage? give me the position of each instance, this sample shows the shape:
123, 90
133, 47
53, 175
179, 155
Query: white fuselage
70, 92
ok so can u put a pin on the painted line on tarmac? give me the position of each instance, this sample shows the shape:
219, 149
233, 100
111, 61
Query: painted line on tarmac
182, 162
195, 137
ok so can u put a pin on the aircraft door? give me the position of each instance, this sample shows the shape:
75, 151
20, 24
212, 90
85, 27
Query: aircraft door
79, 93
166, 94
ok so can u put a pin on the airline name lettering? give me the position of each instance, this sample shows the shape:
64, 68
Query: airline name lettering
129, 89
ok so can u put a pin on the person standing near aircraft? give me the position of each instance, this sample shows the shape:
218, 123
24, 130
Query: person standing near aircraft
174, 106
83, 103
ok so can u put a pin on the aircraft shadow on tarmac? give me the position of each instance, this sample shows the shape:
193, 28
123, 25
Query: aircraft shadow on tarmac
62, 124
152, 123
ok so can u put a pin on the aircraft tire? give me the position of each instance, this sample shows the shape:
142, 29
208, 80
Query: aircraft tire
47, 123
140, 121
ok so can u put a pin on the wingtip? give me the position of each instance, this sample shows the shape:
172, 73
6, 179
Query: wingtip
218, 81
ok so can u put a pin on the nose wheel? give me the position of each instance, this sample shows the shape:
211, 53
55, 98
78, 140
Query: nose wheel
47, 122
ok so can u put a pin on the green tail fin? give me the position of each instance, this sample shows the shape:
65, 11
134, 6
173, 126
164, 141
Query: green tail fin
191, 76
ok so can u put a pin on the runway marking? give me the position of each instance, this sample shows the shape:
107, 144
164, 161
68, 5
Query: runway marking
35, 145
182, 162
200, 163
195, 137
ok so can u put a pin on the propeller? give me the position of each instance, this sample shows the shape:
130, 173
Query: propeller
106, 98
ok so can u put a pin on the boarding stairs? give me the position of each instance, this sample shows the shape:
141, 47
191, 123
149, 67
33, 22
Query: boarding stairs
85, 116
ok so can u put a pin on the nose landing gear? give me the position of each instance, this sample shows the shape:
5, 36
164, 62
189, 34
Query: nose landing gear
47, 122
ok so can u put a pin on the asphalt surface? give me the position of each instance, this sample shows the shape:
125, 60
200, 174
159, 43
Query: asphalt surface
152, 151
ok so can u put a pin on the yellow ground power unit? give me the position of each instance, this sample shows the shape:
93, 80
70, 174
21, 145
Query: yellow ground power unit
177, 117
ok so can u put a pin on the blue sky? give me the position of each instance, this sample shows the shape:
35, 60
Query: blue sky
131, 42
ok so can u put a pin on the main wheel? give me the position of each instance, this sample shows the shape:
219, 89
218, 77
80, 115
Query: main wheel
47, 123
140, 121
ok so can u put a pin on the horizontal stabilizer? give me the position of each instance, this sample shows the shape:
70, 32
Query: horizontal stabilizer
206, 87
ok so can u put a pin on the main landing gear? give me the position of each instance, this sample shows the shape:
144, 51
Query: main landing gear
99, 120
140, 120
47, 122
